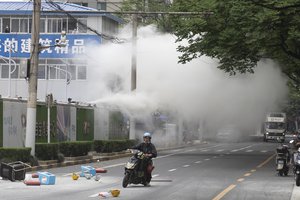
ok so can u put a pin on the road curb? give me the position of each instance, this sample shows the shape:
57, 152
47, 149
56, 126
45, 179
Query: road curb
78, 162
295, 193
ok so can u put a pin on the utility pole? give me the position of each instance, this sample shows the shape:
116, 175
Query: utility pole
32, 88
133, 71
133, 54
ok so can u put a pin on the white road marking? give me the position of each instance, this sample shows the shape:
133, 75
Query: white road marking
215, 157
197, 162
204, 150
94, 195
172, 170
191, 150
186, 165
207, 159
168, 155
220, 150
235, 150
264, 151
250, 150
155, 175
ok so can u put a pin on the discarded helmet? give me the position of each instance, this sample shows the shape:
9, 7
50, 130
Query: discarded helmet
115, 193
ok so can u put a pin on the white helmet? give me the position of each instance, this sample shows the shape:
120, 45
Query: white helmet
146, 134
299, 150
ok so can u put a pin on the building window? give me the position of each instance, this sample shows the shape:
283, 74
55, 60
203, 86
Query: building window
42, 72
81, 73
5, 71
56, 25
72, 70
42, 25
6, 25
72, 26
61, 72
19, 25
101, 5
82, 25
81, 4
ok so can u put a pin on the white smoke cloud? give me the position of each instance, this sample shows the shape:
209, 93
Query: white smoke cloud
196, 90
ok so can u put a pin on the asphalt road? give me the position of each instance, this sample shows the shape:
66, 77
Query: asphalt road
206, 171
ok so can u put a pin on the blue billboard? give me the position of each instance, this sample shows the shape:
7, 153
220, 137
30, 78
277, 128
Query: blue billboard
21, 44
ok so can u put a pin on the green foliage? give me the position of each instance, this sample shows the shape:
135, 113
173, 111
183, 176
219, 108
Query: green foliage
151, 6
45, 151
14, 154
239, 33
75, 148
107, 146
60, 157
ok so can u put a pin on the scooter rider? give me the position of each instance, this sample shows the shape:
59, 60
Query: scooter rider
296, 142
150, 152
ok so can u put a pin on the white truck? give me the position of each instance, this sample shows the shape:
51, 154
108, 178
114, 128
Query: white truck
275, 126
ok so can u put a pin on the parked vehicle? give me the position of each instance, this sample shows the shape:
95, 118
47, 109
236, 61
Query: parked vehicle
296, 167
296, 163
275, 126
282, 160
135, 169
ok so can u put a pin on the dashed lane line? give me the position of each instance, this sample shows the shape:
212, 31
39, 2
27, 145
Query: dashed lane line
247, 174
235, 150
240, 180
168, 155
232, 186
172, 170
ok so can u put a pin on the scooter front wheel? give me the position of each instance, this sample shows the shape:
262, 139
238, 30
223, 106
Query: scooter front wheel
297, 180
125, 180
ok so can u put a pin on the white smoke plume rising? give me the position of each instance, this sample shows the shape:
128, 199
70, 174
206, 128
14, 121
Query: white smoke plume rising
196, 91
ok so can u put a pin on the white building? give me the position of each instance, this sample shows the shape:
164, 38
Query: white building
102, 5
61, 70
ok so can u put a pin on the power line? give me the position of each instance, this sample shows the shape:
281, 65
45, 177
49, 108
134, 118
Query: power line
58, 8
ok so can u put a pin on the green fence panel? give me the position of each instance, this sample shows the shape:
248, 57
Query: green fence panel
41, 124
1, 124
85, 124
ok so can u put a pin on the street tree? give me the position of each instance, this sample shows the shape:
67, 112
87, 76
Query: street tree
240, 33
162, 21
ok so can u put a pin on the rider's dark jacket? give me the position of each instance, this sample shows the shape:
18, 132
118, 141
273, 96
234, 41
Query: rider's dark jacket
146, 148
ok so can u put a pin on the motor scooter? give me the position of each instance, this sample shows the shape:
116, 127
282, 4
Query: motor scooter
135, 169
296, 163
282, 160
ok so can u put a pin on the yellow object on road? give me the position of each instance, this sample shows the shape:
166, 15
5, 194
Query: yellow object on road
75, 176
115, 193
